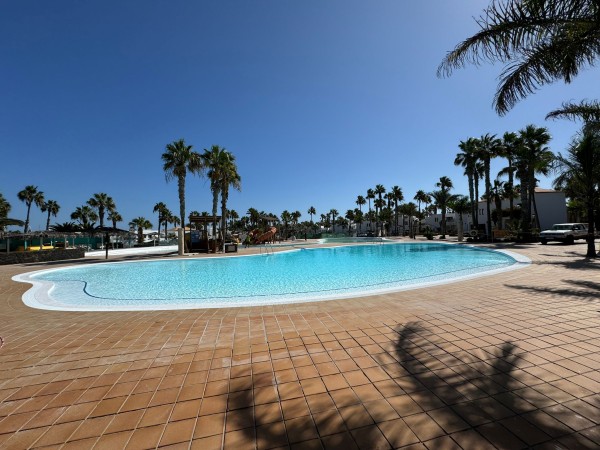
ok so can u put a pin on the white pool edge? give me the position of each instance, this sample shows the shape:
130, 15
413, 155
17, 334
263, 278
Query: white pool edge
44, 301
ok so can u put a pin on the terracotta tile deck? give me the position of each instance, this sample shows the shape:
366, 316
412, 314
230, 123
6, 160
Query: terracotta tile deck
506, 361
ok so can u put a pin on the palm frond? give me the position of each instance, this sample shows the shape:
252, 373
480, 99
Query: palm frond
587, 111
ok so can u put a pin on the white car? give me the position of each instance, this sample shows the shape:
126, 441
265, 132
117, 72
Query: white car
564, 232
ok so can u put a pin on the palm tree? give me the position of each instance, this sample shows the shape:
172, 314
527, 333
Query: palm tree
370, 196
379, 191
178, 160
510, 146
539, 41
85, 215
5, 207
101, 202
496, 196
65, 227
579, 174
141, 223
350, 218
311, 211
468, 160
229, 177
160, 208
222, 173
30, 195
115, 217
397, 196
533, 157
52, 207
421, 197
461, 205
486, 148
358, 218
379, 204
360, 201
442, 198
254, 216
333, 212
286, 217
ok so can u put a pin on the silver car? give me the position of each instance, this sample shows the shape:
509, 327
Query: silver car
564, 232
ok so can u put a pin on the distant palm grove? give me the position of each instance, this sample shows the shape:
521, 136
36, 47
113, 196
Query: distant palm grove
538, 41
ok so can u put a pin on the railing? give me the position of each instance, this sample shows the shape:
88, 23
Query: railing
266, 249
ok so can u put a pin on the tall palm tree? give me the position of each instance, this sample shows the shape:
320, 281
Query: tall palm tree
533, 157
539, 41
379, 191
461, 205
370, 196
360, 201
217, 161
141, 223
229, 177
579, 174
311, 211
160, 208
30, 195
102, 202
486, 148
510, 146
467, 159
334, 213
358, 218
442, 198
178, 160
496, 196
52, 207
85, 215
397, 196
421, 197
286, 218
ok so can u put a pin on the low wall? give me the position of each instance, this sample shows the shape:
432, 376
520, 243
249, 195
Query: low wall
37, 256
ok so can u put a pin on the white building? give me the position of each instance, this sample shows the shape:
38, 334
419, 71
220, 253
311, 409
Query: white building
551, 208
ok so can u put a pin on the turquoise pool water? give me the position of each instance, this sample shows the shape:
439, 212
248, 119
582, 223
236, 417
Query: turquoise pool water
298, 275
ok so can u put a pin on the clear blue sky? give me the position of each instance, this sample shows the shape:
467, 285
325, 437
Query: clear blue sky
319, 101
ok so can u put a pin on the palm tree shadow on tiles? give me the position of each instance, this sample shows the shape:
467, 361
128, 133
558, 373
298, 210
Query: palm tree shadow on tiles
438, 394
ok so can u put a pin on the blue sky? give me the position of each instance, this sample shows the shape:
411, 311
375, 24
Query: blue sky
319, 101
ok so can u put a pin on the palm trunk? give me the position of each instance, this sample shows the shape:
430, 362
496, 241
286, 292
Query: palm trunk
487, 198
181, 189
215, 192
159, 228
476, 201
472, 198
48, 221
27, 219
525, 212
224, 195
590, 239
511, 181
460, 228
443, 221
533, 201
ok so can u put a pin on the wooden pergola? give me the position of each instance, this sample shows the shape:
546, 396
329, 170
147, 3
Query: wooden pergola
199, 237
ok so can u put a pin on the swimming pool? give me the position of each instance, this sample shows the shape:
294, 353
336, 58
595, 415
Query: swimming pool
285, 277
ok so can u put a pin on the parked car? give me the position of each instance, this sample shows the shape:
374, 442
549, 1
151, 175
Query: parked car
564, 232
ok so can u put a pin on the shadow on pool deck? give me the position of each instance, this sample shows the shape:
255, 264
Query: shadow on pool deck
443, 397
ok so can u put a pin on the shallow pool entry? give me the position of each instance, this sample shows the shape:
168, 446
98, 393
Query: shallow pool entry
294, 276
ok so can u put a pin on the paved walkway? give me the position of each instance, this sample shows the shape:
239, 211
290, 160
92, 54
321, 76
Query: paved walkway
508, 361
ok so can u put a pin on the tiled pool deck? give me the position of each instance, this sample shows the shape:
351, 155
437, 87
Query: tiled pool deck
508, 361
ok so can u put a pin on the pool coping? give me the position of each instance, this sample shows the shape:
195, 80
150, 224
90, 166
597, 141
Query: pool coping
38, 295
